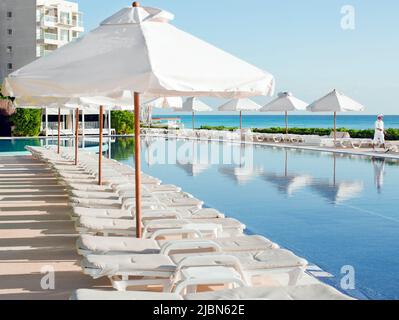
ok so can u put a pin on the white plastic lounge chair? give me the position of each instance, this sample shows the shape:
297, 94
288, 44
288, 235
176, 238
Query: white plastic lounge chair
318, 291
163, 267
203, 213
224, 227
161, 200
91, 294
89, 244
158, 269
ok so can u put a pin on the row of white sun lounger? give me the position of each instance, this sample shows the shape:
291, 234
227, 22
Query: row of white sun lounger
343, 139
185, 248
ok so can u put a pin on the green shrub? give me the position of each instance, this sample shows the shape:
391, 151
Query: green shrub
26, 122
122, 122
218, 128
392, 134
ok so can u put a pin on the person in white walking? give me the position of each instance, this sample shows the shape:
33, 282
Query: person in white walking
379, 134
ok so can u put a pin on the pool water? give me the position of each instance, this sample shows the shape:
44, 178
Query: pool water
338, 212
335, 211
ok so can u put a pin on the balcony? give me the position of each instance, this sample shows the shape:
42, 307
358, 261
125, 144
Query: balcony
50, 19
47, 38
50, 36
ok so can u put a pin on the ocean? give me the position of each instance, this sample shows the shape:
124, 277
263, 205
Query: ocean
300, 121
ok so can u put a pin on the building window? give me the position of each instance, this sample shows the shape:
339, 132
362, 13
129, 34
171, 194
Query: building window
9, 14
9, 66
64, 35
9, 49
9, 32
65, 18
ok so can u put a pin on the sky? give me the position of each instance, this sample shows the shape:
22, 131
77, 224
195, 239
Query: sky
310, 46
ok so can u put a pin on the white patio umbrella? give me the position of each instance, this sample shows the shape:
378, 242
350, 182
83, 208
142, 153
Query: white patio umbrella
335, 102
193, 105
162, 103
137, 49
285, 102
85, 104
240, 105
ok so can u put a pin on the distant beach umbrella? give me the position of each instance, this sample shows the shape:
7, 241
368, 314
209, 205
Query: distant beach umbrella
194, 105
240, 105
87, 104
137, 49
165, 103
285, 102
162, 103
335, 102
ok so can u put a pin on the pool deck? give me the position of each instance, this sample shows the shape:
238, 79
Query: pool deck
365, 152
36, 233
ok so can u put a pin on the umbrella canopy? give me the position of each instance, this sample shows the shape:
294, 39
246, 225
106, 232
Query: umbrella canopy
240, 105
335, 102
160, 103
285, 102
165, 103
193, 105
88, 104
138, 50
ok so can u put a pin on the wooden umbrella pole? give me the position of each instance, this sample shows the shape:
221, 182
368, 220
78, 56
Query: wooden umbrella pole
59, 130
137, 162
335, 127
193, 120
240, 120
100, 145
286, 122
76, 135
137, 155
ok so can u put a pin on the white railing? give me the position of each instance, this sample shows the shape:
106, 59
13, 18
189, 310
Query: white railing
90, 125
50, 36
51, 19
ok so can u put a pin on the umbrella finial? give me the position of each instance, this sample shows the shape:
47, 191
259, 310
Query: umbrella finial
136, 4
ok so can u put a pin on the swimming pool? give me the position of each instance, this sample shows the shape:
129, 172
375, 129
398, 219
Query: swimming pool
336, 211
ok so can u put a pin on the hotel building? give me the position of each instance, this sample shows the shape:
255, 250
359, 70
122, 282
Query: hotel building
31, 29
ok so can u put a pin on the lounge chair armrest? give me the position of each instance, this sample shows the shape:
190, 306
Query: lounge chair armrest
166, 232
182, 285
189, 244
212, 260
